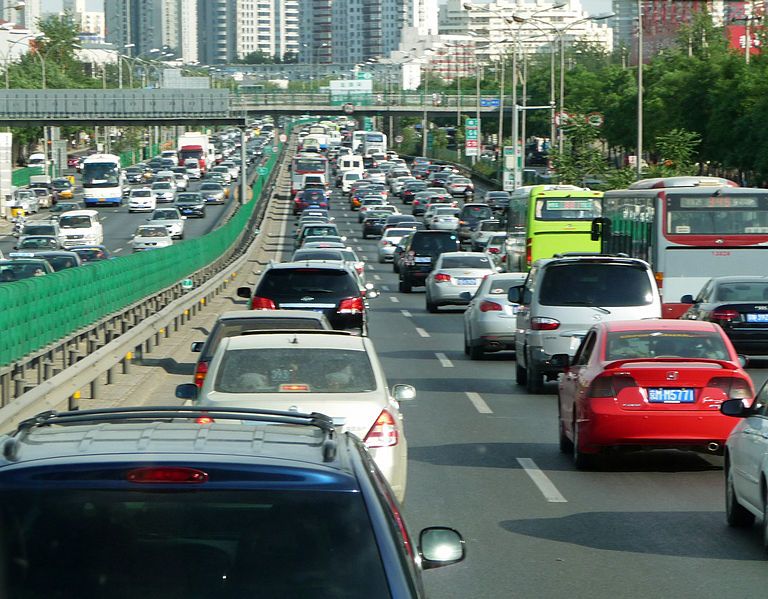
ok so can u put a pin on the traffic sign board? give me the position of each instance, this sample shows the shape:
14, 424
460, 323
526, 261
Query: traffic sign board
283, 138
364, 75
470, 122
263, 170
490, 102
398, 139
595, 119
187, 284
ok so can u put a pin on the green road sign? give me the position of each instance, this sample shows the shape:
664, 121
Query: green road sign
267, 150
263, 171
368, 123
364, 75
470, 123
187, 284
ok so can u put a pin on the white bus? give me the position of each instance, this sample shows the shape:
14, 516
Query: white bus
375, 142
102, 180
358, 139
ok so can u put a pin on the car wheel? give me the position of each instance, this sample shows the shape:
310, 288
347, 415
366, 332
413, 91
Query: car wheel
476, 352
566, 445
404, 287
466, 344
381, 260
534, 380
582, 461
395, 267
431, 307
736, 514
521, 376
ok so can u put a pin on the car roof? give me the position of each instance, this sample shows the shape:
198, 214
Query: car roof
80, 213
302, 264
298, 339
587, 259
461, 254
739, 279
660, 324
258, 314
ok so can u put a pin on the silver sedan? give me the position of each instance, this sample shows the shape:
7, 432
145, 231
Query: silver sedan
455, 278
490, 319
388, 242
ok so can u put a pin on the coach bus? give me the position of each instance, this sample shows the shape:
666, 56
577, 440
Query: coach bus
552, 219
102, 180
689, 229
307, 164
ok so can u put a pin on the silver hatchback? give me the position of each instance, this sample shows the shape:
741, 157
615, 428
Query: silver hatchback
455, 278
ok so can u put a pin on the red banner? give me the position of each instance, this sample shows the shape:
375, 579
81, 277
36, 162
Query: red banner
737, 38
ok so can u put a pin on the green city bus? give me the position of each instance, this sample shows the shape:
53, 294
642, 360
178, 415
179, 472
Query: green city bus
551, 219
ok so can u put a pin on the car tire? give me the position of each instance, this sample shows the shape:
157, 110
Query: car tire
565, 444
431, 306
534, 380
582, 461
395, 267
521, 377
466, 344
476, 352
404, 287
381, 260
736, 514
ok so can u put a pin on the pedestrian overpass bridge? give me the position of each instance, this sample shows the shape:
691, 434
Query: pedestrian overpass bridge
168, 107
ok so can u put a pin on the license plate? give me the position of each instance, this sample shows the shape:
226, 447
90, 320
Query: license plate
671, 396
467, 281
757, 317
419, 260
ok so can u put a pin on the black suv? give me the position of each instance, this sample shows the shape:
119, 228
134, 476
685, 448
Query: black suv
180, 502
328, 287
420, 255
470, 215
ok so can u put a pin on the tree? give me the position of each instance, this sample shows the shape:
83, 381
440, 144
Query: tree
677, 149
581, 155
256, 57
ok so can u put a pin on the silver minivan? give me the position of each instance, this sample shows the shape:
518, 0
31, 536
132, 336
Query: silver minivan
564, 296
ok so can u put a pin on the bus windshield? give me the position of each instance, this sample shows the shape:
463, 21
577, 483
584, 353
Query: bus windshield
565, 208
101, 174
721, 215
309, 165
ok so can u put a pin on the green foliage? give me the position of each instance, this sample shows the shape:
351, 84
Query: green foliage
581, 155
677, 149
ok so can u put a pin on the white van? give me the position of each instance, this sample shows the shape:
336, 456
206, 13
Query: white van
81, 227
348, 178
36, 160
350, 163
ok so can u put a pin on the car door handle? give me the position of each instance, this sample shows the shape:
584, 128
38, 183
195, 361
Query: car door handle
750, 431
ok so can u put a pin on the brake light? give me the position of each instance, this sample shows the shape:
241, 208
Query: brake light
165, 474
541, 323
487, 306
204, 420
610, 386
200, 371
441, 277
493, 250
462, 222
383, 433
384, 242
734, 388
529, 251
351, 305
725, 315
262, 303
416, 202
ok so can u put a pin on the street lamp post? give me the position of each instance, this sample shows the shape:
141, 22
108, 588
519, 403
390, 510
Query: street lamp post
638, 158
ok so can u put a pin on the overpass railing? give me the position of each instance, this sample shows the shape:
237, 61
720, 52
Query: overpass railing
401, 99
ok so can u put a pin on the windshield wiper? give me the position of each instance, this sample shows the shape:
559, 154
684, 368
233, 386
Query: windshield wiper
588, 305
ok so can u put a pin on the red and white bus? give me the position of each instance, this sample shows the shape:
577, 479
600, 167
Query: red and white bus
307, 164
689, 229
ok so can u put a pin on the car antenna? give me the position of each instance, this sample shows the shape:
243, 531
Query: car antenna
295, 340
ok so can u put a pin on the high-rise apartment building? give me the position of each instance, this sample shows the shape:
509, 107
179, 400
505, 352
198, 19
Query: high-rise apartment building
230, 29
27, 17
422, 15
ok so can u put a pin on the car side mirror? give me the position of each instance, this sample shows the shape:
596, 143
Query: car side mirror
197, 346
515, 294
560, 361
372, 293
244, 292
187, 391
743, 360
735, 408
440, 546
403, 393
183, 218
687, 299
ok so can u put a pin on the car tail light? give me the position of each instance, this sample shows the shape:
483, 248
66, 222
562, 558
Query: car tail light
383, 433
441, 277
528, 251
463, 222
487, 306
733, 387
609, 386
200, 371
725, 315
493, 250
541, 323
262, 303
384, 242
166, 474
351, 305
204, 420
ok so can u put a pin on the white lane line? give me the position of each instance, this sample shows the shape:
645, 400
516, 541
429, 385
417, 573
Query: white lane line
443, 359
393, 299
546, 486
422, 332
359, 249
354, 240
406, 313
377, 277
385, 288
117, 250
346, 215
478, 402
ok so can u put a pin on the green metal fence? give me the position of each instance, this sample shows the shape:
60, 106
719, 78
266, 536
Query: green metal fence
36, 312
20, 176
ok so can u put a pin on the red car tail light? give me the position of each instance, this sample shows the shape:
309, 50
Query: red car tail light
544, 324
200, 371
166, 474
493, 250
528, 251
441, 277
733, 387
204, 420
487, 306
383, 433
725, 315
262, 303
384, 242
610, 386
351, 305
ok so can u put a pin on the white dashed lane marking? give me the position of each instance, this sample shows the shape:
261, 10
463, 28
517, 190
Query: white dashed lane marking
443, 359
541, 480
406, 313
422, 332
478, 402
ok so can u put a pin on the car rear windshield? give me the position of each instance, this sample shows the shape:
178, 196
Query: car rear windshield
581, 284
309, 370
435, 243
476, 213
232, 327
656, 344
187, 542
39, 230
141, 193
294, 283
465, 262
742, 292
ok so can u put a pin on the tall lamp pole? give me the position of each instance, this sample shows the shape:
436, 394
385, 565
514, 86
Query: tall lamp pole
638, 158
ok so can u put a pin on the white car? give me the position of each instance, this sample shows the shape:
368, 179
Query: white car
444, 218
164, 191
150, 237
396, 185
141, 200
182, 181
455, 279
388, 242
485, 229
171, 219
490, 318
334, 373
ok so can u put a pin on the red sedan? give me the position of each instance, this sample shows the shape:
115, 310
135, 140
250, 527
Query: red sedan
649, 384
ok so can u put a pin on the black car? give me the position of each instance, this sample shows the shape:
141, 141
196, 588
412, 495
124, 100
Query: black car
175, 501
332, 289
373, 225
497, 200
60, 259
191, 204
420, 255
470, 215
739, 305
